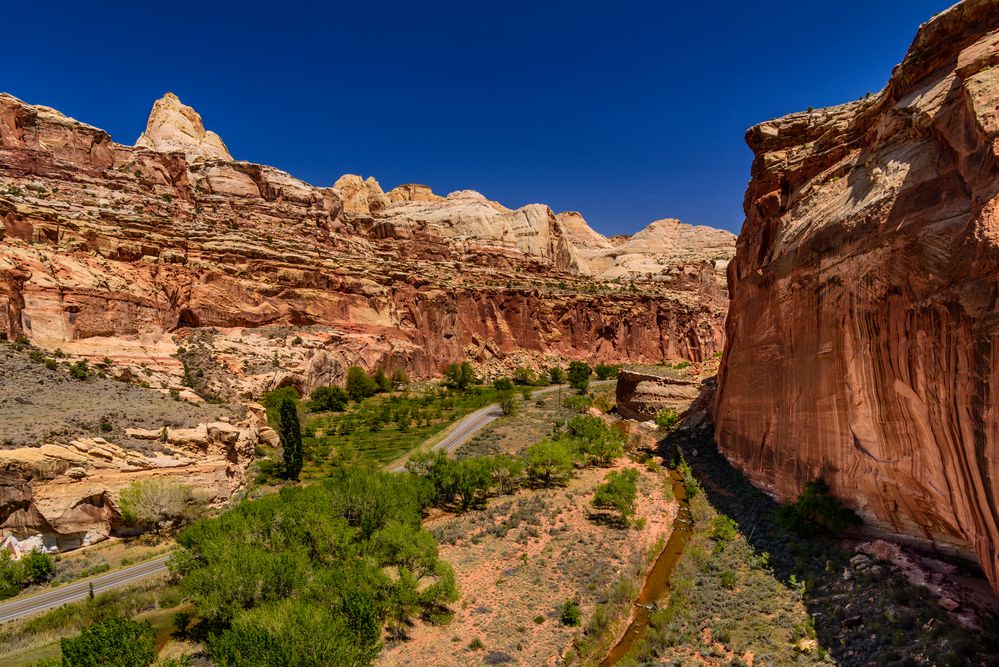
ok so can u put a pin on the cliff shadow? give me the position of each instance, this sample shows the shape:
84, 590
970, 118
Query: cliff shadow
863, 612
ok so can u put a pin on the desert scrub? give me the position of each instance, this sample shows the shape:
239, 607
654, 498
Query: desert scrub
721, 586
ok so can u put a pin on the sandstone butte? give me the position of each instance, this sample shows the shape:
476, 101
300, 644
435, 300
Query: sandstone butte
862, 338
132, 253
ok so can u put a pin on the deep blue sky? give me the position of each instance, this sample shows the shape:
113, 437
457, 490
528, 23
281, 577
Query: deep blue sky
627, 112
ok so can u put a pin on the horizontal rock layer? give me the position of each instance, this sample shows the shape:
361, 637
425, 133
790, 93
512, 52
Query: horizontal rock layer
112, 250
862, 332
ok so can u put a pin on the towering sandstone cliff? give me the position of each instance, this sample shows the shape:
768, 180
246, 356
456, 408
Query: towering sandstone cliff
133, 252
862, 332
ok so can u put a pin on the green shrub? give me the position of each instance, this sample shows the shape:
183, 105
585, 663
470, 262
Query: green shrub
399, 378
579, 376
271, 399
313, 574
328, 399
508, 405
525, 377
667, 419
723, 529
556, 375
548, 463
571, 614
607, 371
503, 384
113, 641
158, 503
459, 376
359, 384
816, 509
618, 492
80, 370
578, 403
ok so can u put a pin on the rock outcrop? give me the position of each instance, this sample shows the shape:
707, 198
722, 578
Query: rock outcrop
863, 337
174, 126
126, 252
642, 395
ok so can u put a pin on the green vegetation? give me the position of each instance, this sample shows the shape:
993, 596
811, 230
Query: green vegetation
556, 375
159, 504
79, 370
113, 641
15, 575
667, 419
579, 376
607, 371
328, 399
571, 614
548, 463
618, 492
359, 384
815, 509
459, 376
290, 432
578, 403
311, 575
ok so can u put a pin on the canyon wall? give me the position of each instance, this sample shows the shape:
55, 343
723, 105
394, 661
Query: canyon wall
862, 332
121, 251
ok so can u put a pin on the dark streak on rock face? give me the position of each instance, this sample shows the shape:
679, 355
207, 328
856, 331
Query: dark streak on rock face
863, 329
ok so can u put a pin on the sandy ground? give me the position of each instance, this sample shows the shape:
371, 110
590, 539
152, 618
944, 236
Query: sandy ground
38, 405
518, 560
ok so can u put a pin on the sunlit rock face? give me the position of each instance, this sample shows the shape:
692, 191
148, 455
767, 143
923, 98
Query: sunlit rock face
108, 250
862, 331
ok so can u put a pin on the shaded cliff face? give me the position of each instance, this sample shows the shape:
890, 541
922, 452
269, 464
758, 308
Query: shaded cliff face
862, 332
121, 251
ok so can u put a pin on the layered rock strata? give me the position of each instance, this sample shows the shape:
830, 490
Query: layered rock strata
863, 335
119, 251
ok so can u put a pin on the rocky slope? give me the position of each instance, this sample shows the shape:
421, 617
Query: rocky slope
122, 251
862, 333
71, 445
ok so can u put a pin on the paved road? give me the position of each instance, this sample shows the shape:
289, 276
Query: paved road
78, 590
460, 433
463, 431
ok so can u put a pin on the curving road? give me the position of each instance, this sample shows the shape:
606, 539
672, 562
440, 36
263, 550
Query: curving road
78, 590
459, 434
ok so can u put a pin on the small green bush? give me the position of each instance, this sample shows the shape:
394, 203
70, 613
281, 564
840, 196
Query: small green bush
113, 641
571, 614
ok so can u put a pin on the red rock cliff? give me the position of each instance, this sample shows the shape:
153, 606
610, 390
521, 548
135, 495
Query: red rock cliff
113, 250
862, 332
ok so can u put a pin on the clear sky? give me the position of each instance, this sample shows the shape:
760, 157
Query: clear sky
625, 111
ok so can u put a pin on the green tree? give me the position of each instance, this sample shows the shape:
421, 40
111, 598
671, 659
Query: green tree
556, 375
399, 379
618, 492
816, 508
113, 641
381, 380
606, 371
579, 376
290, 433
328, 399
548, 463
507, 404
525, 377
503, 384
359, 384
506, 472
459, 376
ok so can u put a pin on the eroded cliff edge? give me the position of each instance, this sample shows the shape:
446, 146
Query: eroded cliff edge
120, 251
862, 330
